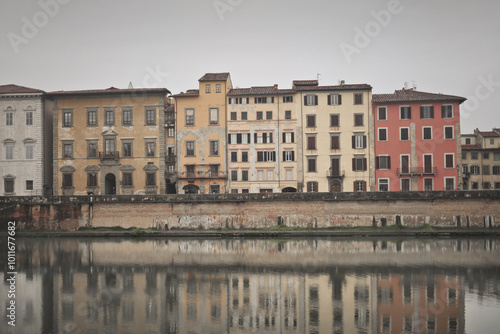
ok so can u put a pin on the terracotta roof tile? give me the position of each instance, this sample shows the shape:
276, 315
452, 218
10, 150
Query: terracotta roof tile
305, 82
335, 87
188, 93
215, 77
15, 89
471, 147
489, 133
111, 90
409, 95
262, 90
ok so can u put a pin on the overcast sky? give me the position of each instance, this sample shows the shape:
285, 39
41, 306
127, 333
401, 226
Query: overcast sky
443, 46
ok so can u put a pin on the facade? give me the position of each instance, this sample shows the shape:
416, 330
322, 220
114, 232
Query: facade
335, 140
201, 160
21, 141
109, 141
481, 160
417, 141
170, 156
263, 132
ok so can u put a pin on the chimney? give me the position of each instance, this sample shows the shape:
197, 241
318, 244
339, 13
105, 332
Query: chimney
275, 87
342, 82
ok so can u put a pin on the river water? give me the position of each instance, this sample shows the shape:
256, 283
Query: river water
311, 285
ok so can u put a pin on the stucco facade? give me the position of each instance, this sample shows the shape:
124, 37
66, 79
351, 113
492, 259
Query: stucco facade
201, 160
21, 141
108, 141
417, 141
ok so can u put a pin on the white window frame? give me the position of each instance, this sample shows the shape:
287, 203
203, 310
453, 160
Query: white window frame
386, 134
453, 164
386, 162
381, 182
452, 132
423, 132
211, 112
189, 116
401, 112
378, 113
400, 133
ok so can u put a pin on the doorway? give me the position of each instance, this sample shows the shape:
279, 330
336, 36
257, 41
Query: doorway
110, 184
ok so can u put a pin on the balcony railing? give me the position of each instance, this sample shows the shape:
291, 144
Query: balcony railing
170, 158
109, 155
335, 173
418, 171
201, 175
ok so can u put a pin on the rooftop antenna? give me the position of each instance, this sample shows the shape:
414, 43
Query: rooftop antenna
414, 85
406, 85
317, 76
130, 85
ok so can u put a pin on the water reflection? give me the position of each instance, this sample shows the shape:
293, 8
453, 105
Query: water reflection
254, 286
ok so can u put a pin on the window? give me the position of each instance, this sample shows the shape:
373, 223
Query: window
311, 121
311, 164
474, 155
382, 113
9, 152
383, 184
92, 149
269, 115
404, 134
243, 115
312, 187
449, 183
8, 185
405, 112
359, 141
67, 181
447, 111
109, 147
288, 155
127, 179
109, 117
427, 133
334, 120
358, 120
448, 132
382, 134
287, 99
311, 142
208, 89
426, 112
386, 323
217, 88
266, 156
233, 115
214, 170
496, 156
475, 170
171, 132
486, 169
405, 184
29, 118
383, 162
67, 118
288, 137
190, 170
264, 99
359, 164
9, 118
486, 155
67, 150
190, 148
311, 100
259, 115
289, 174
496, 170
150, 179
464, 155
335, 141
126, 117
358, 98
234, 156
29, 184
150, 116
239, 100
449, 161
29, 152
214, 116
244, 156
189, 116
467, 141
127, 149
334, 99
92, 117
91, 179
214, 147
234, 175
474, 185
270, 174
288, 114
428, 184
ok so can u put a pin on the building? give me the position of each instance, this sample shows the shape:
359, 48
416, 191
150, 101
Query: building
21, 141
201, 136
481, 160
170, 156
335, 146
415, 147
263, 132
108, 141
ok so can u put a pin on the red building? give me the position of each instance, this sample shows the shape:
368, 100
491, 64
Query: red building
417, 141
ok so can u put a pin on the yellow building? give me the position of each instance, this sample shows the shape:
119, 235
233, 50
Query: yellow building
201, 136
336, 145
263, 132
109, 141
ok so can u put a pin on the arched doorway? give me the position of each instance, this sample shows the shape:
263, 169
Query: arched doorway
191, 189
289, 190
110, 185
336, 186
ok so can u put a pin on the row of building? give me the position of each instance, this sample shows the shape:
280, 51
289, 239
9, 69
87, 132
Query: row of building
221, 139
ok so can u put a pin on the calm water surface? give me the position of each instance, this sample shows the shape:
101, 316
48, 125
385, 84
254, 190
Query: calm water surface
254, 286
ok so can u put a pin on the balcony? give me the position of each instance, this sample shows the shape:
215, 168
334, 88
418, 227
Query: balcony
202, 175
335, 173
417, 171
170, 158
109, 155
170, 123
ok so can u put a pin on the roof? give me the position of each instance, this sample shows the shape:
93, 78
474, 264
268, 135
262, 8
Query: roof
471, 147
15, 89
262, 90
410, 95
335, 87
215, 77
305, 82
110, 90
188, 93
489, 133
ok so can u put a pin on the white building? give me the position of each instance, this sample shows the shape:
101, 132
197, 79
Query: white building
21, 141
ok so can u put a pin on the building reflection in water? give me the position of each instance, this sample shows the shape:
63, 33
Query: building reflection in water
315, 286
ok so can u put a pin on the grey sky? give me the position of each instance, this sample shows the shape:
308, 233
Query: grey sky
444, 46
